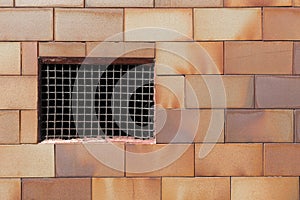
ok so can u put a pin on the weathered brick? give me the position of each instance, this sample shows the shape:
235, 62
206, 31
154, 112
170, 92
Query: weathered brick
29, 58
9, 127
10, 189
62, 49
228, 24
277, 91
296, 67
47, 3
6, 3
258, 57
297, 126
282, 159
26, 24
18, 92
159, 160
88, 24
212, 91
255, 3
166, 24
126, 188
27, 160
261, 188
189, 58
29, 126
259, 126
281, 24
216, 188
10, 61
56, 188
119, 3
228, 160
188, 3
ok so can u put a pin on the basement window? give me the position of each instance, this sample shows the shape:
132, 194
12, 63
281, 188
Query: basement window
102, 98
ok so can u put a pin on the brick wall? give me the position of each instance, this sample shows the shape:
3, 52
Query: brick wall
227, 91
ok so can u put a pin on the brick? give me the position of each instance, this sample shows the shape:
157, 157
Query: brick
282, 159
296, 67
23, 23
10, 189
121, 49
217, 188
29, 58
9, 127
56, 188
119, 3
18, 92
261, 188
277, 92
259, 126
212, 91
89, 159
297, 126
46, 3
126, 188
169, 91
258, 57
249, 3
228, 24
27, 160
186, 126
228, 160
188, 3
189, 58
29, 126
281, 24
62, 49
159, 160
10, 60
158, 24
296, 2
88, 24
6, 3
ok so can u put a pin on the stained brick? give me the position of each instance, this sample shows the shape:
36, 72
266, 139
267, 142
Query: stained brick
281, 24
166, 24
10, 189
56, 188
296, 67
258, 57
188, 3
259, 126
6, 3
29, 126
62, 49
27, 160
212, 91
248, 3
119, 3
88, 24
47, 3
10, 61
18, 92
29, 58
26, 23
159, 160
126, 188
228, 160
282, 159
228, 24
216, 188
189, 58
9, 127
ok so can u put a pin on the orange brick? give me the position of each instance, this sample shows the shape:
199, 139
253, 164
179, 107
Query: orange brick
169, 91
126, 188
18, 92
188, 3
248, 3
212, 91
166, 24
62, 49
296, 67
159, 160
228, 160
6, 3
296, 2
26, 24
9, 127
189, 58
297, 126
10, 189
194, 188
259, 126
29, 58
88, 24
119, 3
27, 160
258, 57
46, 3
228, 24
10, 60
262, 188
29, 126
281, 24
282, 159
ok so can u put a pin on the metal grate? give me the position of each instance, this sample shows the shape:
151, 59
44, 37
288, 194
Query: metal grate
96, 101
